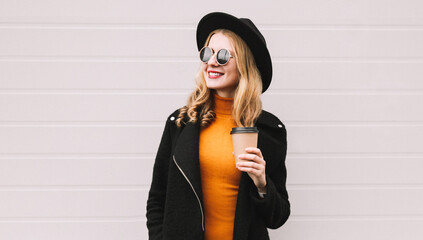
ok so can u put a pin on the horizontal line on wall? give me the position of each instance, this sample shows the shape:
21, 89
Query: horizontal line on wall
70, 219
76, 155
114, 59
352, 155
298, 218
186, 92
58, 157
340, 27
144, 188
193, 26
354, 123
73, 188
343, 92
293, 217
79, 125
151, 156
96, 26
81, 91
300, 59
99, 26
187, 59
111, 124
353, 186
31, 155
399, 155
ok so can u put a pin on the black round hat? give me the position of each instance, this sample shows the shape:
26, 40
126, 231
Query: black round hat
244, 28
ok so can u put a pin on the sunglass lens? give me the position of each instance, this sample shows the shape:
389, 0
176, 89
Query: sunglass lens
223, 56
205, 54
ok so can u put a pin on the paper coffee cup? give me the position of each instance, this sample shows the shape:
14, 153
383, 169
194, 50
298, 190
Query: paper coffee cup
242, 138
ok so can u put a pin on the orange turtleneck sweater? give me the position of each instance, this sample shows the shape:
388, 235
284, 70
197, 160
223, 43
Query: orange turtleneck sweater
219, 175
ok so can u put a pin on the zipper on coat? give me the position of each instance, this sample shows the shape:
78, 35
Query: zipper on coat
198, 199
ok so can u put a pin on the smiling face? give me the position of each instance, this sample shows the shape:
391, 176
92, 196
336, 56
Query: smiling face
223, 79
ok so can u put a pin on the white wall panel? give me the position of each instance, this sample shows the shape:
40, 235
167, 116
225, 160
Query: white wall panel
108, 139
356, 201
136, 171
348, 74
336, 106
133, 106
115, 42
311, 12
88, 139
90, 202
360, 228
69, 203
76, 171
328, 229
359, 170
74, 229
98, 74
161, 42
149, 74
91, 107
355, 139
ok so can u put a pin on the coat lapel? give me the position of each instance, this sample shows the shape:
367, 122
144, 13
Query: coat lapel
187, 155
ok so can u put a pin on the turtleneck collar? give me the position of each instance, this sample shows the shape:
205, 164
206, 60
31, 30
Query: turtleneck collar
223, 105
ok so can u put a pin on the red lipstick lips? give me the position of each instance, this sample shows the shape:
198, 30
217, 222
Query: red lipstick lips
214, 74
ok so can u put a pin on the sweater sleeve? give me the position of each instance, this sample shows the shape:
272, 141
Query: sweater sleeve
274, 208
157, 193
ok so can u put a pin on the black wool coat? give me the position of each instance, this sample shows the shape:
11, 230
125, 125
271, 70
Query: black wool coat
175, 203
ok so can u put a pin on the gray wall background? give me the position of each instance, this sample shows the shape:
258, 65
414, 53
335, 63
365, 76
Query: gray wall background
86, 86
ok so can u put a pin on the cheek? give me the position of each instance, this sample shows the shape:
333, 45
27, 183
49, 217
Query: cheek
233, 72
232, 80
203, 67
204, 70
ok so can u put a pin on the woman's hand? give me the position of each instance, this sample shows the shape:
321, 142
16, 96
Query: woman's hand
255, 166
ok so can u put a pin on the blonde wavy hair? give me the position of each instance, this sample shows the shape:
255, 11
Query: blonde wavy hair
247, 103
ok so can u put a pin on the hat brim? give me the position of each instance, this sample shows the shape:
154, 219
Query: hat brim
255, 42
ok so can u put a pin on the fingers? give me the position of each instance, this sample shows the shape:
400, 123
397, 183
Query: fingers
254, 151
255, 172
250, 165
254, 154
253, 161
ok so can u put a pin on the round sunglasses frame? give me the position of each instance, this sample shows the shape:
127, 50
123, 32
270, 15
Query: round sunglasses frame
215, 53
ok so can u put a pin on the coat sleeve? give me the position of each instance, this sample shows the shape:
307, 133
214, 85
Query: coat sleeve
274, 208
157, 194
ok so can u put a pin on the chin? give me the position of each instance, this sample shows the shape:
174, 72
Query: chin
212, 83
211, 86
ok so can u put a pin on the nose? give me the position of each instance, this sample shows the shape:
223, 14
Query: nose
212, 61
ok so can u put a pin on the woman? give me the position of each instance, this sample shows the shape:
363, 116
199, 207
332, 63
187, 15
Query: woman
197, 191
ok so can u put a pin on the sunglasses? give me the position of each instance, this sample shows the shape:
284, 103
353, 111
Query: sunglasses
222, 57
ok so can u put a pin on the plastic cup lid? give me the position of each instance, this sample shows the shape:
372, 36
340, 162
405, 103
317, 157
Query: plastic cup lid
244, 130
